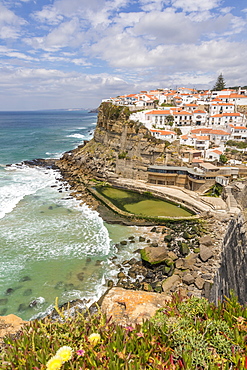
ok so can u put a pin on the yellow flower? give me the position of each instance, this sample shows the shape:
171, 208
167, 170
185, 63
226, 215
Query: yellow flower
94, 338
65, 353
54, 363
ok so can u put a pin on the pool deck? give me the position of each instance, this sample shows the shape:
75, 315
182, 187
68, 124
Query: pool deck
204, 204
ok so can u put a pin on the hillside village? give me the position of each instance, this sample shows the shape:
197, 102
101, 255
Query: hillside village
209, 126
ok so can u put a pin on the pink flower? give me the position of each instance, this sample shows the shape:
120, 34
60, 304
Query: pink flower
80, 352
140, 335
129, 328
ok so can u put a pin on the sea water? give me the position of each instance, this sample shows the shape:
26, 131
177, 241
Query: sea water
51, 245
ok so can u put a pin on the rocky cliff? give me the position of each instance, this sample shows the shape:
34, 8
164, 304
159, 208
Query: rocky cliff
120, 147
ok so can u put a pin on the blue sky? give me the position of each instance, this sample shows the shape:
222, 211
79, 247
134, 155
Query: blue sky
73, 53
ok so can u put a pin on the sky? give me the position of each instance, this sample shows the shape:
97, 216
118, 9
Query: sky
59, 54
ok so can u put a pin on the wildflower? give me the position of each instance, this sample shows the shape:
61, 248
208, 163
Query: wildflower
129, 328
94, 338
54, 363
65, 353
140, 335
80, 352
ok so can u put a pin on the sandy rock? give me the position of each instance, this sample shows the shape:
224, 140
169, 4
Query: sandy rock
170, 282
206, 240
129, 307
10, 325
199, 282
188, 279
205, 253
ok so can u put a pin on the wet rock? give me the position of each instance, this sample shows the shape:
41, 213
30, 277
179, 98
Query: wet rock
50, 208
131, 237
154, 244
80, 276
59, 285
123, 242
98, 263
205, 253
121, 275
25, 278
89, 259
153, 230
22, 307
133, 261
3, 312
142, 239
3, 301
27, 292
9, 291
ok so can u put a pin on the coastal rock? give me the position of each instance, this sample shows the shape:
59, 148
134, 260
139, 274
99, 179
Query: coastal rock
154, 255
205, 253
130, 307
10, 325
188, 279
206, 240
170, 282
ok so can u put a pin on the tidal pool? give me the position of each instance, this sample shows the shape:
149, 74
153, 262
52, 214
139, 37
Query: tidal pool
142, 204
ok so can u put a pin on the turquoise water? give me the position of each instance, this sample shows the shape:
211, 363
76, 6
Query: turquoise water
51, 245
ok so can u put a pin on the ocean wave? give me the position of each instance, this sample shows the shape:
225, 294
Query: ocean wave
76, 136
20, 181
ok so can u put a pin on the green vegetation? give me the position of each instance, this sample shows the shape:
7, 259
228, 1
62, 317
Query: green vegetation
214, 191
167, 105
237, 144
220, 83
144, 205
185, 334
223, 158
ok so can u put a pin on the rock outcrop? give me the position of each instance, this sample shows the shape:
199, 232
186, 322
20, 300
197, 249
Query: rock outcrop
130, 307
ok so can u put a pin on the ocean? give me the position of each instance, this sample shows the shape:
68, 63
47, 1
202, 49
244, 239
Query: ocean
51, 245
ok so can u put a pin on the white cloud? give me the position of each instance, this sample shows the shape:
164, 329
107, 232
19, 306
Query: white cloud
66, 34
10, 24
195, 5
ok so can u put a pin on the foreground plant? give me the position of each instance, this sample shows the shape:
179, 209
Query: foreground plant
185, 334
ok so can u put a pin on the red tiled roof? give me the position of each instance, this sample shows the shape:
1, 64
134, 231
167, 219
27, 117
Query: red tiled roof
216, 151
164, 112
164, 132
219, 132
202, 138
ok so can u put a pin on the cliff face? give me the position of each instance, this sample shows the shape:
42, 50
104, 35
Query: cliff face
231, 275
120, 147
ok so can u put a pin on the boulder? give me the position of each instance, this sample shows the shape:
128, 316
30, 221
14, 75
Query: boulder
154, 255
199, 282
206, 240
10, 325
170, 282
188, 279
130, 307
205, 253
